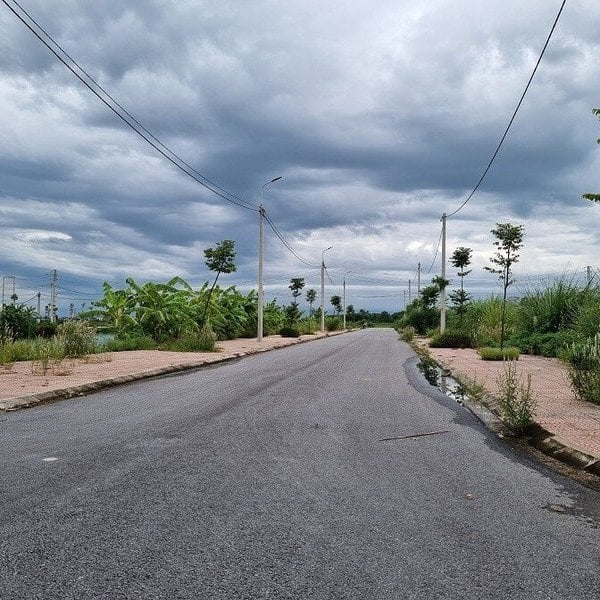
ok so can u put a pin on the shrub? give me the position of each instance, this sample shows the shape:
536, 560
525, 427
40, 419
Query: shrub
451, 339
17, 322
332, 324
207, 338
407, 334
289, 331
45, 329
516, 401
421, 319
584, 369
129, 343
544, 344
77, 338
508, 353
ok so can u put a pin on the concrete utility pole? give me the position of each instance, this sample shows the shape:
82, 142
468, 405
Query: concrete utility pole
589, 274
323, 288
409, 290
443, 290
419, 278
39, 304
53, 284
261, 249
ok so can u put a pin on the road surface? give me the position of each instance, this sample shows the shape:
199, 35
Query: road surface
272, 477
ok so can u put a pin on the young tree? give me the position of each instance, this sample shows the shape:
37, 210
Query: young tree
336, 302
292, 311
220, 260
509, 240
461, 258
311, 296
350, 314
594, 197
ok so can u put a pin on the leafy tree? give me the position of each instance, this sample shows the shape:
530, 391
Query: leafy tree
219, 260
311, 296
461, 258
594, 197
292, 311
509, 240
296, 286
350, 314
336, 302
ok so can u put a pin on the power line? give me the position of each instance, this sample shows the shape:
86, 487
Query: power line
127, 118
435, 255
489, 165
287, 244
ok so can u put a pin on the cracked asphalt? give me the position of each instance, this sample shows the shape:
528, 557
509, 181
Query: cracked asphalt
271, 477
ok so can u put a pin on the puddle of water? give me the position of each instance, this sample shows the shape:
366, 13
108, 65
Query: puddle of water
440, 378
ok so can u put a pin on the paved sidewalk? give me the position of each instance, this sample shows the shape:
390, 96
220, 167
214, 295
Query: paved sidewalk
23, 384
574, 423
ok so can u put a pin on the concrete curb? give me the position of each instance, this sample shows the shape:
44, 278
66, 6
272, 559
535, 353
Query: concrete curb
28, 401
538, 437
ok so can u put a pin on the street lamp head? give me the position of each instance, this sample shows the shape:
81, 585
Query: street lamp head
276, 179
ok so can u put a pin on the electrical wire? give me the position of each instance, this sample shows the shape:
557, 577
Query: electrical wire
436, 253
286, 243
140, 129
127, 118
489, 165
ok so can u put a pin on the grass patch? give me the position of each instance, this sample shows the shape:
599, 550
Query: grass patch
508, 353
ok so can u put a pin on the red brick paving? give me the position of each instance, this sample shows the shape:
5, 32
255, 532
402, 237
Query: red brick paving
575, 423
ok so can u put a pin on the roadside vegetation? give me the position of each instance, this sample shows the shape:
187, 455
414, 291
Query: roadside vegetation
558, 318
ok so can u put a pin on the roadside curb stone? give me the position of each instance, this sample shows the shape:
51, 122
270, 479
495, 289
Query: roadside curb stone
540, 438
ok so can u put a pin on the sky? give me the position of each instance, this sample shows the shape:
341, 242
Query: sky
378, 117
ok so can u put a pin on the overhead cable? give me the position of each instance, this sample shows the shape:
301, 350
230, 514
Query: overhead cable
121, 112
286, 243
489, 165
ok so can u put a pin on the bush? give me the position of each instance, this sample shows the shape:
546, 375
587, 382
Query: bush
129, 343
17, 322
289, 331
451, 339
77, 338
45, 329
508, 353
407, 334
192, 342
544, 344
516, 401
332, 324
207, 339
421, 319
584, 369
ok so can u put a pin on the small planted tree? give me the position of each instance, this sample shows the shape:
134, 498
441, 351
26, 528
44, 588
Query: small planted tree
509, 240
461, 258
220, 259
292, 311
311, 296
594, 197
336, 302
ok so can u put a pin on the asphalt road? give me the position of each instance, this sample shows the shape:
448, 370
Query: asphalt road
267, 478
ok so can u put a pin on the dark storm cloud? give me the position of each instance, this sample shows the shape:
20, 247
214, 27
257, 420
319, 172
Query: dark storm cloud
378, 120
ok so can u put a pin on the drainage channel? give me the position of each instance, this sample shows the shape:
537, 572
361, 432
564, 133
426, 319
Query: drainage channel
440, 378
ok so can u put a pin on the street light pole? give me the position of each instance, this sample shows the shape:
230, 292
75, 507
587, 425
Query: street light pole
443, 290
261, 247
323, 288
